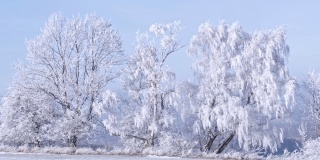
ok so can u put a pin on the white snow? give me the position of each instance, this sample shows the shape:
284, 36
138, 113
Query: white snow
33, 156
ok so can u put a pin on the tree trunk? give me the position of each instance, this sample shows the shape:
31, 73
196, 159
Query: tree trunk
155, 111
225, 143
207, 147
37, 143
212, 137
152, 138
90, 109
73, 141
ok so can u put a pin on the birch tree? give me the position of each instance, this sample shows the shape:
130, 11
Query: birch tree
145, 114
244, 85
70, 63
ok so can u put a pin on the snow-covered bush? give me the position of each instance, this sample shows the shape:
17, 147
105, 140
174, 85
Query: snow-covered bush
85, 151
175, 144
309, 151
26, 118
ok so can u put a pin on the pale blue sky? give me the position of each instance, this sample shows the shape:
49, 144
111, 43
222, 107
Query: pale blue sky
22, 19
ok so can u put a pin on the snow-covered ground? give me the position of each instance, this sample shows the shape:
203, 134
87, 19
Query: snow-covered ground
33, 156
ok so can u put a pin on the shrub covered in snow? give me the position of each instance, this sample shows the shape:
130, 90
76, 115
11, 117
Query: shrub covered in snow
309, 151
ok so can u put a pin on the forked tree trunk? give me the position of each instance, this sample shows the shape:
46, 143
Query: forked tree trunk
225, 143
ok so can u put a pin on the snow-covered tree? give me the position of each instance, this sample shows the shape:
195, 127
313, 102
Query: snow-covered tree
243, 85
69, 65
144, 115
310, 94
25, 119
184, 98
26, 115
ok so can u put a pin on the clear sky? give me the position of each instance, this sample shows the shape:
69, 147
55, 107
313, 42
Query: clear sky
21, 20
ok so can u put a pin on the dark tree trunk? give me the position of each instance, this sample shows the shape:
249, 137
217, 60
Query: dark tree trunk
207, 147
37, 143
225, 143
37, 131
152, 138
73, 141
212, 137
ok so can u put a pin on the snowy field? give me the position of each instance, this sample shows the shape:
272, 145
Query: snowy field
24, 156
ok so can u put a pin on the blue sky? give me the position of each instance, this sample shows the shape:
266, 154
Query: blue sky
21, 20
